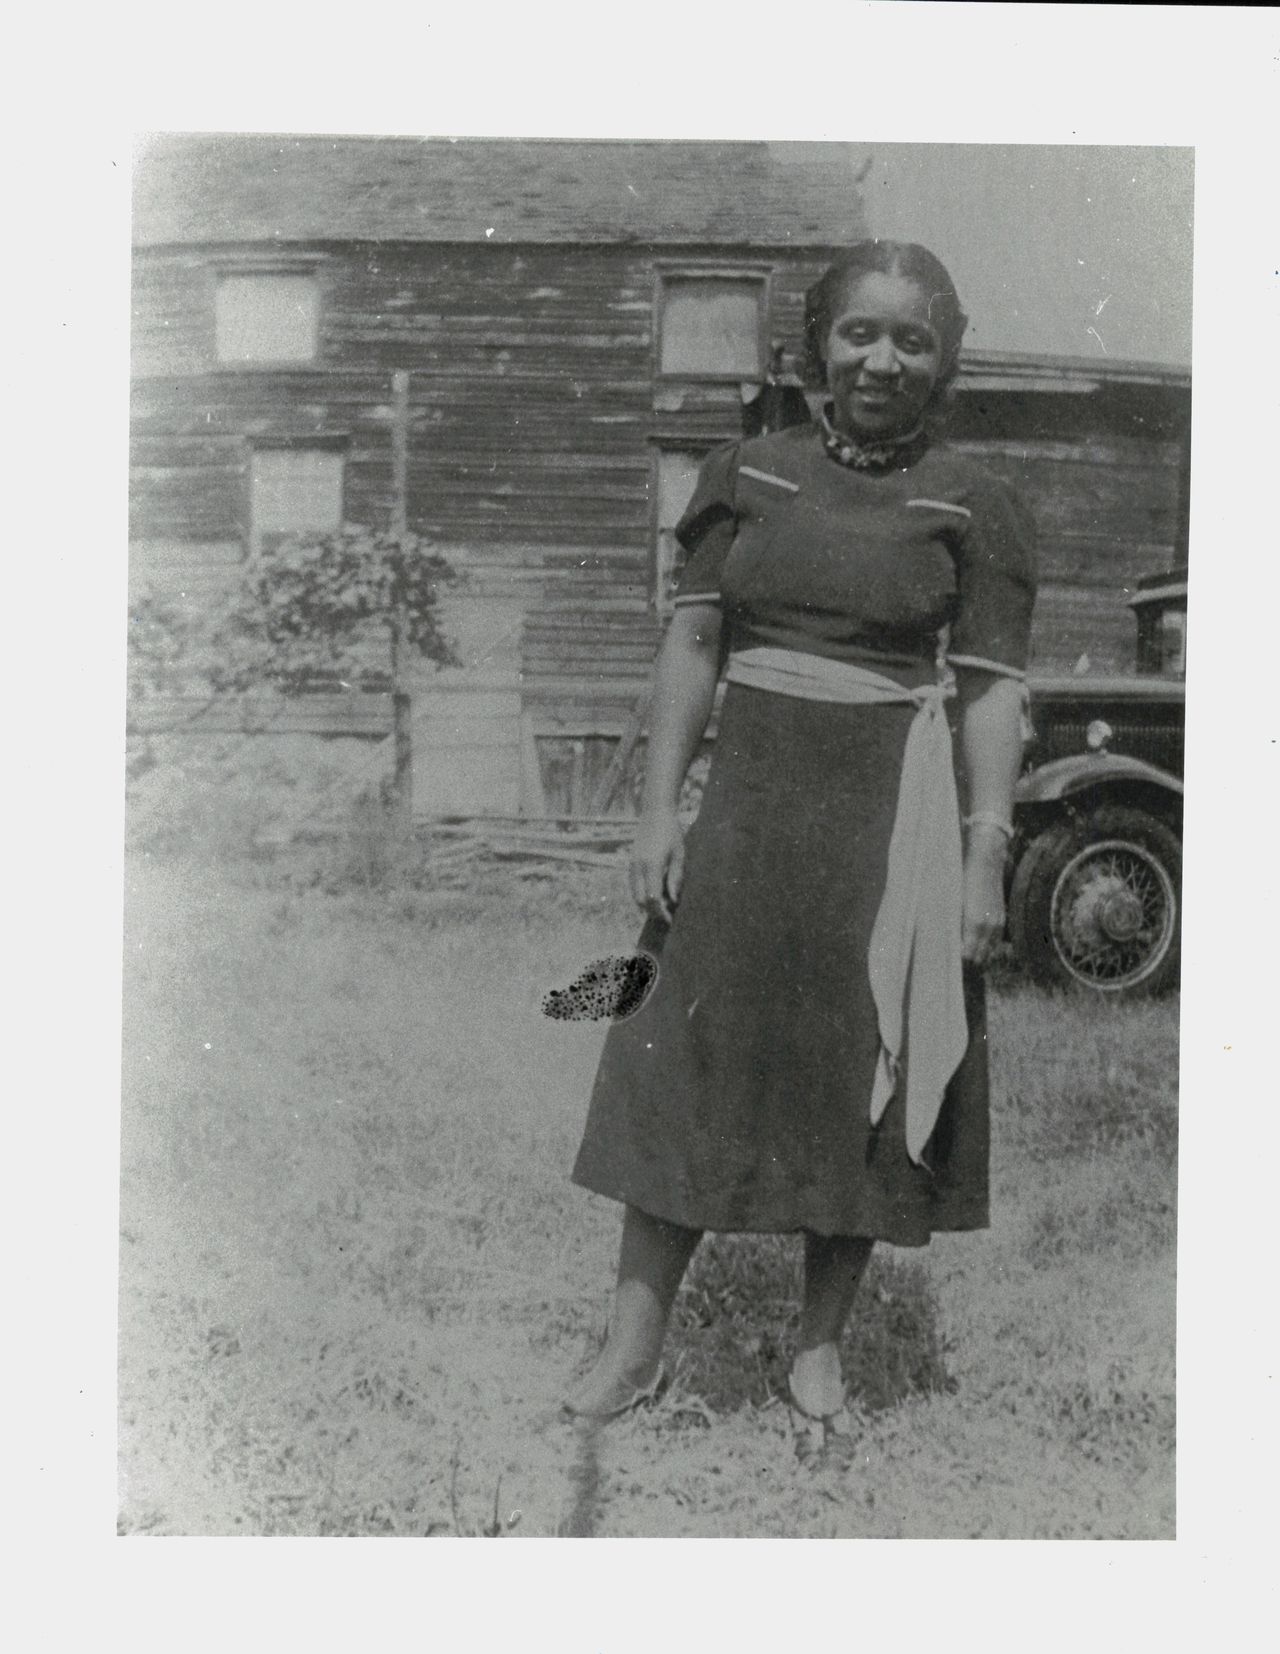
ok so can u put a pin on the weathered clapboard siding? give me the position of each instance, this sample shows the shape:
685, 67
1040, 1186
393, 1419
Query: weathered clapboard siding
172, 326
527, 399
1103, 471
532, 389
534, 409
1099, 454
517, 286
198, 570
535, 417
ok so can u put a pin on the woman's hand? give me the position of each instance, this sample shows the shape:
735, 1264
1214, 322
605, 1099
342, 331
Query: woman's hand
657, 863
983, 897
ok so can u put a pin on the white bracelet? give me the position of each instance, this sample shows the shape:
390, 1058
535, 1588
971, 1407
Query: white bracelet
983, 818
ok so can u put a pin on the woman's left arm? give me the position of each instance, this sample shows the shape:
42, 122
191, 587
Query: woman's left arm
991, 748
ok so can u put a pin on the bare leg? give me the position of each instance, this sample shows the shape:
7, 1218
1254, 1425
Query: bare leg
651, 1265
833, 1268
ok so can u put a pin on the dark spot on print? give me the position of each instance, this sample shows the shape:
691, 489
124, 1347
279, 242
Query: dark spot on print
614, 988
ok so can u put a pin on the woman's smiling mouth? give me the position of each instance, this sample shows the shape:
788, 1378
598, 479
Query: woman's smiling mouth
875, 398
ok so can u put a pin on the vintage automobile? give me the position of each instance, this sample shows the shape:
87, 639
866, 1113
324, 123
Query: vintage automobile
1095, 873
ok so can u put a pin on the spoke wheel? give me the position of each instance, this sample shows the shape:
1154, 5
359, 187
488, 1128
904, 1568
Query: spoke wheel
1095, 903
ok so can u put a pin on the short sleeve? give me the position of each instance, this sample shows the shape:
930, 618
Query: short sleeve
996, 575
707, 528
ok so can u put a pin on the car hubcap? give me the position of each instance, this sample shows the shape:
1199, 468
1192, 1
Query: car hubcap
1120, 916
1113, 914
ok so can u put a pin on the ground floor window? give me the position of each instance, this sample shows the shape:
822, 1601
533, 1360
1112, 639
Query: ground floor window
676, 473
294, 487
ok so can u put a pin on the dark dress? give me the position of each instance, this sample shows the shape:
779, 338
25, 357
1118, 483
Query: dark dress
737, 1097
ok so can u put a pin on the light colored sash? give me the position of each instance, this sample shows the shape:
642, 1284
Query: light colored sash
914, 960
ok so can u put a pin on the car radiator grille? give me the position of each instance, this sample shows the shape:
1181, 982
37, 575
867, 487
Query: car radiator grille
1156, 743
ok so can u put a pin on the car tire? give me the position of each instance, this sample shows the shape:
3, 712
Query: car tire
1096, 903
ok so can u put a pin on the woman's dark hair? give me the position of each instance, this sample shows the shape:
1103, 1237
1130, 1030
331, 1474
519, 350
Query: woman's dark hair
885, 258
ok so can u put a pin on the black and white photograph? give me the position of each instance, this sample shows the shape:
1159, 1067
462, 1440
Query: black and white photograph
696, 629
673, 973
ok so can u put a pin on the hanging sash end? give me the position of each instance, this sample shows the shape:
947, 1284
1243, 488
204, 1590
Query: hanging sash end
884, 1084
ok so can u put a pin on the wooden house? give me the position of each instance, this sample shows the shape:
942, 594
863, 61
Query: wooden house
579, 324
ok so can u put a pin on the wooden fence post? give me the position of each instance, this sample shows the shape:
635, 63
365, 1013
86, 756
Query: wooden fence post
401, 706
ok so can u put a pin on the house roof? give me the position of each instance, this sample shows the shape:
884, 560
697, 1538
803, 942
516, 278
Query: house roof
238, 187
1019, 370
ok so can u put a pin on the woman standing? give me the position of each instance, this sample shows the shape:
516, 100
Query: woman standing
813, 1057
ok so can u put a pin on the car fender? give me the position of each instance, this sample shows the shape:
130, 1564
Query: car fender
1064, 777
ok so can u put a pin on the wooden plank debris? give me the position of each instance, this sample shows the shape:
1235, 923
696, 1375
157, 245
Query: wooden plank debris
527, 849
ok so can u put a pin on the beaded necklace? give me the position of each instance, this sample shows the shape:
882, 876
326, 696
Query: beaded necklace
860, 455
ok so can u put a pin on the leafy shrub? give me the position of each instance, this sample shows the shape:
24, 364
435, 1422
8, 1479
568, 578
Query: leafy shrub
313, 605
311, 611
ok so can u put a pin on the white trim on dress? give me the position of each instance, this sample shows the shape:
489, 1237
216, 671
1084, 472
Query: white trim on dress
768, 476
941, 505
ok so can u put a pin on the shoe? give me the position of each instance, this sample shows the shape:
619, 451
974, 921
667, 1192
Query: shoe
643, 1397
814, 1432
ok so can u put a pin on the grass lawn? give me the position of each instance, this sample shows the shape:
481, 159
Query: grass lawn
355, 1276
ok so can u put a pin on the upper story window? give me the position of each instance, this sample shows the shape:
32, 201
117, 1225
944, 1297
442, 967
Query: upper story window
711, 325
267, 316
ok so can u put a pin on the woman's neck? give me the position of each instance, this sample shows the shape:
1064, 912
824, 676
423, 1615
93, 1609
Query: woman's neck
862, 449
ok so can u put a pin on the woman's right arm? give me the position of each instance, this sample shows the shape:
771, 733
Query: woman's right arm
684, 686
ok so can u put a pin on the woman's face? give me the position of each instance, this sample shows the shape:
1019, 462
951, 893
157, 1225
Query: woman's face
883, 356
